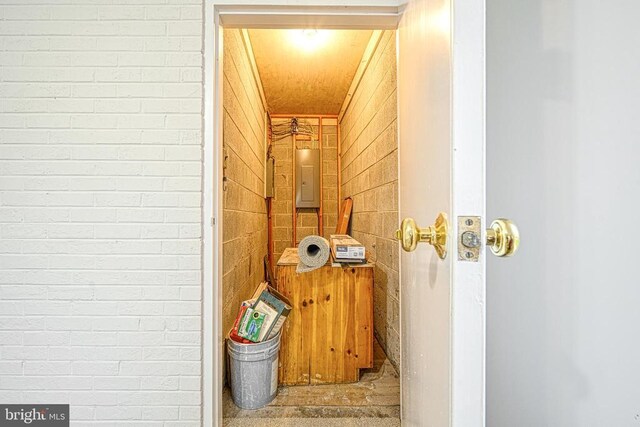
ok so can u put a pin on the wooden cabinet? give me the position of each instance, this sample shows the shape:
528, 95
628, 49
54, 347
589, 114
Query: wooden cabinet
328, 336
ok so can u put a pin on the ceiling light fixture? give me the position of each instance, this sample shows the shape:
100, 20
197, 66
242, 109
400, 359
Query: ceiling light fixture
309, 39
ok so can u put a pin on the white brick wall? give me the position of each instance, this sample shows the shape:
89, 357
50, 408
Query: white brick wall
100, 177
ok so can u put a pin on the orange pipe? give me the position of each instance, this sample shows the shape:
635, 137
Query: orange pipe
270, 231
339, 143
269, 206
320, 226
293, 189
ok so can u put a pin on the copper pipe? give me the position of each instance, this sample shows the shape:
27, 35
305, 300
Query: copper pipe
320, 226
270, 231
269, 203
293, 189
339, 171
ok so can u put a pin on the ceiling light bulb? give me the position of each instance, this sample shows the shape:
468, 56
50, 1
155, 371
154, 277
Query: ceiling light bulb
310, 34
309, 39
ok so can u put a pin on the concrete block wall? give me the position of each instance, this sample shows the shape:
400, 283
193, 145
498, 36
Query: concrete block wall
369, 163
330, 176
307, 219
244, 240
282, 151
100, 217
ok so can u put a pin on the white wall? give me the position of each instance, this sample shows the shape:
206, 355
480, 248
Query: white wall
563, 148
100, 177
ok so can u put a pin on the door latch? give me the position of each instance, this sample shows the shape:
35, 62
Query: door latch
469, 238
502, 238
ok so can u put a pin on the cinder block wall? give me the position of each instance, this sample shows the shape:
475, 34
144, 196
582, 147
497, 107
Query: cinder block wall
282, 151
245, 216
329, 176
370, 176
100, 154
307, 219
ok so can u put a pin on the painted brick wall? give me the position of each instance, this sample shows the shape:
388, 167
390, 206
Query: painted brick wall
244, 208
370, 176
100, 178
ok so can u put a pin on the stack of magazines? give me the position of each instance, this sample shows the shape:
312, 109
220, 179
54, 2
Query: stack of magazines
261, 317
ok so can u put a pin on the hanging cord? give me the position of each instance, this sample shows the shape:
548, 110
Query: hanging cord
293, 127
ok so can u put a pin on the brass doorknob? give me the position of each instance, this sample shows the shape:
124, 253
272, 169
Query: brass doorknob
503, 237
410, 235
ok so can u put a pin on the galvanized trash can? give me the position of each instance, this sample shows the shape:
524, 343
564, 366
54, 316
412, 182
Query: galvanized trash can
253, 372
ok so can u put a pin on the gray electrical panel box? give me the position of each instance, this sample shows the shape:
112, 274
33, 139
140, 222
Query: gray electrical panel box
308, 178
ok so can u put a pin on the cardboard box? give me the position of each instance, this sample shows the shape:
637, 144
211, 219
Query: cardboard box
342, 262
263, 286
345, 248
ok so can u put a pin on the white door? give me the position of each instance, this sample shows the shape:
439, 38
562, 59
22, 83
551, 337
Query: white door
563, 316
441, 133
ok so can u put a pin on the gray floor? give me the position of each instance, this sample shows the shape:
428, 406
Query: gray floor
374, 401
309, 422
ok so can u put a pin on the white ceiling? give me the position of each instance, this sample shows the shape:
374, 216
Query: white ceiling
299, 79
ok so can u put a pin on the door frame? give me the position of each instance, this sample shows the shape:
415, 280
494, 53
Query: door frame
349, 14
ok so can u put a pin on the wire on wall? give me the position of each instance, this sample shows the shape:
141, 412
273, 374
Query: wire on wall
293, 127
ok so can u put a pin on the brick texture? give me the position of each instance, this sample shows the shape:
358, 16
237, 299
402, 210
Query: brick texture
307, 219
245, 216
370, 176
100, 189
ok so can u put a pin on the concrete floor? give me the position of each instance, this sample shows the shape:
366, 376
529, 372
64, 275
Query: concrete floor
374, 401
310, 422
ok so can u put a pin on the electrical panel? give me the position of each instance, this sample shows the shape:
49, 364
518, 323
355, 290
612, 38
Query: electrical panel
308, 178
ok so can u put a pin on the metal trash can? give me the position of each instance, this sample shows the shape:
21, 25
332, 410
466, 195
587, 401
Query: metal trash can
253, 372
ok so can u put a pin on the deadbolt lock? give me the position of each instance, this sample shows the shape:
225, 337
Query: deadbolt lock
410, 235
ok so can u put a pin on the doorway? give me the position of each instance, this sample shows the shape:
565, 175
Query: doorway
333, 91
452, 359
